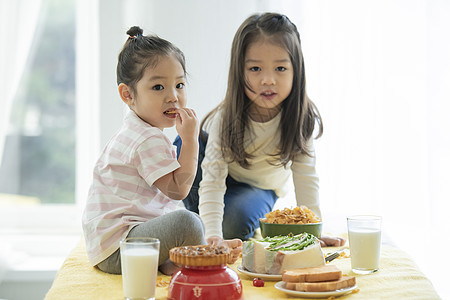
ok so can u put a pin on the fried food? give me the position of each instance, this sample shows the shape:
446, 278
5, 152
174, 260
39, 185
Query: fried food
297, 215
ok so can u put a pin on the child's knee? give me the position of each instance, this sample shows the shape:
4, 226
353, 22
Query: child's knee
240, 228
192, 224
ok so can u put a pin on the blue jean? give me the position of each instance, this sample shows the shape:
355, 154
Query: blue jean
244, 204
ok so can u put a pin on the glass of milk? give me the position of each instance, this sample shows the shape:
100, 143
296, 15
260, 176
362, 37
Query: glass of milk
364, 235
139, 259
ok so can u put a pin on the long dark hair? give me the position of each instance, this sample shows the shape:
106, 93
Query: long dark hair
298, 114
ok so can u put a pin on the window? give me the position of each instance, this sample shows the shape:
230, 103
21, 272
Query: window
38, 165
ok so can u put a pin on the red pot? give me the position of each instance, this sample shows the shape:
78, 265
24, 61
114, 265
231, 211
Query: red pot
211, 282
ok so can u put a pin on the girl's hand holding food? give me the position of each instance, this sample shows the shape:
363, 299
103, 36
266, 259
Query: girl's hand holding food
187, 124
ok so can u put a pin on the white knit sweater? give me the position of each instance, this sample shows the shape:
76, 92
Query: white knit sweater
262, 173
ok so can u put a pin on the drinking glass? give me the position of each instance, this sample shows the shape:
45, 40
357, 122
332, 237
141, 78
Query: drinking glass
364, 235
139, 259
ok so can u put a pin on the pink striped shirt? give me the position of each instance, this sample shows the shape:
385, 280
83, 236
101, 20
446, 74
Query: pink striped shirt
122, 194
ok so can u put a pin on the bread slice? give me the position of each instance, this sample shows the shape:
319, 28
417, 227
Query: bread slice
291, 285
343, 282
314, 274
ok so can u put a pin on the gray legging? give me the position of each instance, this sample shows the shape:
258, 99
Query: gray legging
175, 229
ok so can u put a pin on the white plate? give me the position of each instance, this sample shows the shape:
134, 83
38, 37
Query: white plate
281, 286
268, 277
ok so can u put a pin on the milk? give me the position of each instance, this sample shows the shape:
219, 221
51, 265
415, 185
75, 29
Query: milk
139, 272
365, 248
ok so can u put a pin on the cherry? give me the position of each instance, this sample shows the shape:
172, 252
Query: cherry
258, 282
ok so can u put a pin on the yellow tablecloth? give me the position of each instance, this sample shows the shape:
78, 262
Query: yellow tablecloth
398, 278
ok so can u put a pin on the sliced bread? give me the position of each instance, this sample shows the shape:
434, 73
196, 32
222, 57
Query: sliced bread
315, 274
343, 282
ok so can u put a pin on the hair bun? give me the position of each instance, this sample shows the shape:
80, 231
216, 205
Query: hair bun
135, 31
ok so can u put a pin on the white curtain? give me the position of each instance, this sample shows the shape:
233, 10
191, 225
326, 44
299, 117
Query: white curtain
87, 95
18, 21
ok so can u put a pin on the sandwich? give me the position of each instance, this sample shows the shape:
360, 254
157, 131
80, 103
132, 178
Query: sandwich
273, 255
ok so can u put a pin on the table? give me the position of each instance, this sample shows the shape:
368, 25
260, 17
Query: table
398, 278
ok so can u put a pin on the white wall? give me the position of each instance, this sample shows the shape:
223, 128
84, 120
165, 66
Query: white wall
203, 30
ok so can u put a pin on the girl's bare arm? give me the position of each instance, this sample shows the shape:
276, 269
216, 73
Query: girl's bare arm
177, 184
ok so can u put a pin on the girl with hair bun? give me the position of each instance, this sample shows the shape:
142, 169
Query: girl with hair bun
138, 180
